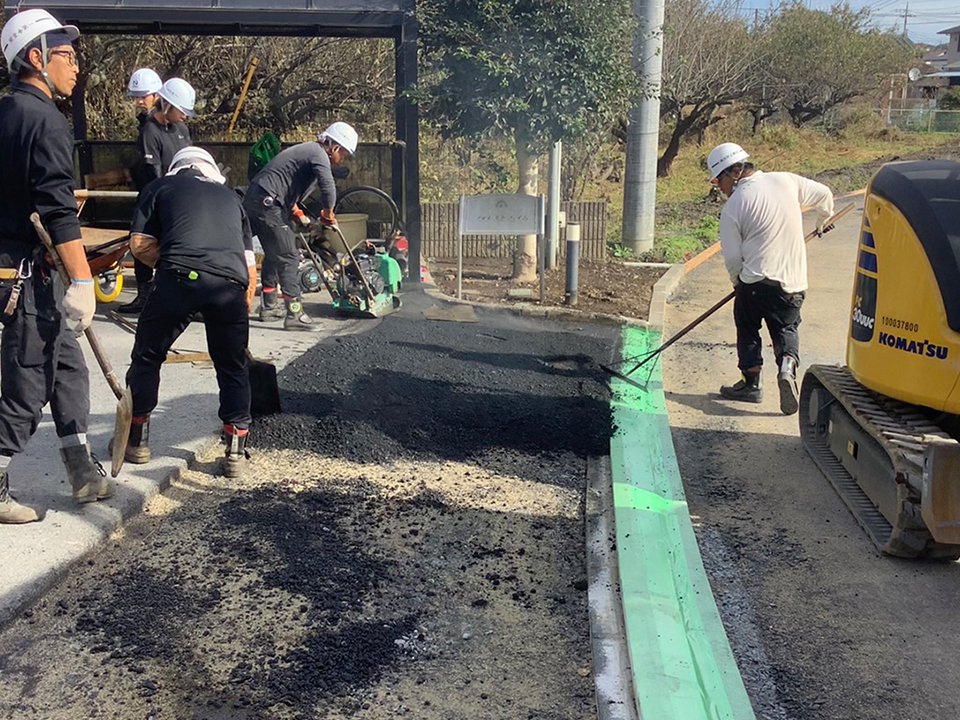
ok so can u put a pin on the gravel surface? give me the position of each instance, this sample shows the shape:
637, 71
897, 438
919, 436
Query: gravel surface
408, 542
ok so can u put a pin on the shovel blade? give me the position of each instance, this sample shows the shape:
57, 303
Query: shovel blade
264, 390
121, 431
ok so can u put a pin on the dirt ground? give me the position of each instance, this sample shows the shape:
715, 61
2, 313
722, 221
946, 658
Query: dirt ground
605, 286
408, 542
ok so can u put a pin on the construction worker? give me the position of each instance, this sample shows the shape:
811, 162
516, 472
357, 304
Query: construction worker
270, 202
761, 237
194, 231
40, 358
144, 88
162, 134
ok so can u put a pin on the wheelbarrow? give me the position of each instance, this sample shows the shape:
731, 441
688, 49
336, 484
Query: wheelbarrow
104, 250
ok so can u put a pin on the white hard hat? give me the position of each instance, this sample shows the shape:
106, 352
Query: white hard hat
723, 156
25, 27
144, 82
180, 94
199, 159
342, 134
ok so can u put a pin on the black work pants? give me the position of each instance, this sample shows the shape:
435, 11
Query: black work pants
174, 299
142, 272
41, 362
766, 302
281, 259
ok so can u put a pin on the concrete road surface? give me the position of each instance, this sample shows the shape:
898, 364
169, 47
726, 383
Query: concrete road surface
823, 626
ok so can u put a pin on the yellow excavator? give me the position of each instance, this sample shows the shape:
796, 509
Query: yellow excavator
884, 428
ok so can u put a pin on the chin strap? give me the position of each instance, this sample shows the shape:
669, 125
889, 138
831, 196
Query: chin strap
20, 62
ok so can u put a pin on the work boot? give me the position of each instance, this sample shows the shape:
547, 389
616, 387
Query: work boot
787, 382
12, 512
746, 390
135, 306
138, 448
270, 307
87, 476
296, 318
235, 459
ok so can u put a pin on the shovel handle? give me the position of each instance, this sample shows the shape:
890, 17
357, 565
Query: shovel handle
92, 338
356, 266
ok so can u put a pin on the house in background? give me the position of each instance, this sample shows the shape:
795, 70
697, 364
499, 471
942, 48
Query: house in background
951, 68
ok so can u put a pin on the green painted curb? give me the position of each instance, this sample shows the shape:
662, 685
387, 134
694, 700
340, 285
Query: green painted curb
683, 668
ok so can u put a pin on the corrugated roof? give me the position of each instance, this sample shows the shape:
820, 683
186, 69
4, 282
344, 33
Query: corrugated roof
949, 30
228, 17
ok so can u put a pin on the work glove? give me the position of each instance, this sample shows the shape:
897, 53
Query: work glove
821, 228
79, 304
299, 215
329, 219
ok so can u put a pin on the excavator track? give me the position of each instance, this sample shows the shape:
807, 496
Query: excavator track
871, 449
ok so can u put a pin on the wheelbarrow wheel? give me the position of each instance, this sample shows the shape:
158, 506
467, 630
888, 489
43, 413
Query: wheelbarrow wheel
108, 285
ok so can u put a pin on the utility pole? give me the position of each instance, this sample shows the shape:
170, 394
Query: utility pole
643, 129
906, 14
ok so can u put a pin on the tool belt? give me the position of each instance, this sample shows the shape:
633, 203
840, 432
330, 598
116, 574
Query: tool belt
17, 264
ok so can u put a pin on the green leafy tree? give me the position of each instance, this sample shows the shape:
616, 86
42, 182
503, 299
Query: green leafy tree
534, 71
820, 59
950, 99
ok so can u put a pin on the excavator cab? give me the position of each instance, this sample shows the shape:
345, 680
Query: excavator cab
883, 428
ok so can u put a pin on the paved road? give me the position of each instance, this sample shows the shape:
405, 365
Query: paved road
184, 423
823, 626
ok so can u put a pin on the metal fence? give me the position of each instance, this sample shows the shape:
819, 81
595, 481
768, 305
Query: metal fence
921, 119
438, 230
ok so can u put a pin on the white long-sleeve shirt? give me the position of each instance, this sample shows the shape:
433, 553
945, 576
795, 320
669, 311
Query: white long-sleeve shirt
761, 228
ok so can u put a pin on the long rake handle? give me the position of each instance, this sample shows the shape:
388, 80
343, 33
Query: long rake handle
829, 221
92, 338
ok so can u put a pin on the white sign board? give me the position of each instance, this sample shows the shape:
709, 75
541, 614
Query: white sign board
501, 215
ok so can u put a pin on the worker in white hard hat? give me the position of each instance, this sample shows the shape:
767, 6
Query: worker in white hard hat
271, 201
144, 89
162, 135
40, 358
195, 232
762, 240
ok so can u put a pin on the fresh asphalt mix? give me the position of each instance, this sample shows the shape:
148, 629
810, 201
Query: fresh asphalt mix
409, 540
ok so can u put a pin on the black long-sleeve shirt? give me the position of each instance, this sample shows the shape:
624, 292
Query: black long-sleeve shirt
156, 146
288, 176
36, 147
199, 225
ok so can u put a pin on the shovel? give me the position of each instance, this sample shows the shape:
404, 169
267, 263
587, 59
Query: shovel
121, 423
625, 376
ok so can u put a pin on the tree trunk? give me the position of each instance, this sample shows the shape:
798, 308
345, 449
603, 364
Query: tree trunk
525, 257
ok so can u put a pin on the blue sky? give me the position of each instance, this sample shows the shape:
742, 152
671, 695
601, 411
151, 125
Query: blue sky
929, 16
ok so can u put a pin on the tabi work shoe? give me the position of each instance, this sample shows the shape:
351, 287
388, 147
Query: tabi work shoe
746, 390
135, 306
12, 512
787, 382
235, 459
270, 307
296, 319
87, 476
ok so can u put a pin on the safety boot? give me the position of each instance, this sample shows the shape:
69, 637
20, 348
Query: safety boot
296, 319
12, 512
135, 306
787, 382
745, 390
87, 476
270, 307
235, 459
138, 447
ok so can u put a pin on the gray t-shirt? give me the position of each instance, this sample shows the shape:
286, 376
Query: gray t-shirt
289, 175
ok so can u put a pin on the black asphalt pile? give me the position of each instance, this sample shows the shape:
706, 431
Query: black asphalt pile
444, 391
298, 577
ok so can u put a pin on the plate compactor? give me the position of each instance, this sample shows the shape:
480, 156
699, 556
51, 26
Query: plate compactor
884, 429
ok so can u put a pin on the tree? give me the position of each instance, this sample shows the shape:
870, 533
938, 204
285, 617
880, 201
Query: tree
709, 61
824, 58
535, 71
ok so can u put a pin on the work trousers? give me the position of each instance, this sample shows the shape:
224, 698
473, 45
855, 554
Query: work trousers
281, 259
41, 362
177, 294
766, 302
142, 272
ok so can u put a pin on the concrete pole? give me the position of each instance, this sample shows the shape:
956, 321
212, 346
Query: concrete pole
553, 205
643, 129
573, 263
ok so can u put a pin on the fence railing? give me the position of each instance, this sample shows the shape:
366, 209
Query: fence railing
438, 232
921, 119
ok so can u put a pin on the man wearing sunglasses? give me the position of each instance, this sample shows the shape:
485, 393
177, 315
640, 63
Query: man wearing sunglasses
761, 236
40, 358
